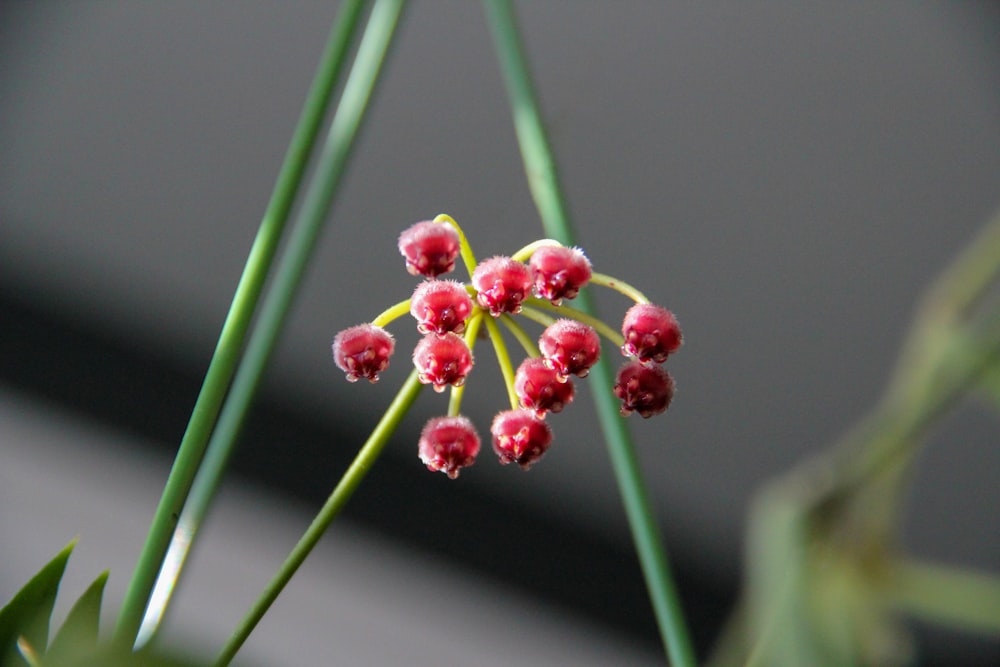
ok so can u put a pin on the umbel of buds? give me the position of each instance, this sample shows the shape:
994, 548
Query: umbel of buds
533, 283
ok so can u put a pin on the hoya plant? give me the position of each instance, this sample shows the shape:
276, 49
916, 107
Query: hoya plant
827, 582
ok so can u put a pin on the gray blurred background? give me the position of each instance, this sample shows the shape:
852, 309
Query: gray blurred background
787, 177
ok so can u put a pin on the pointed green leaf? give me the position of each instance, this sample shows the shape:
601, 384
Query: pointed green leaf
80, 630
28, 612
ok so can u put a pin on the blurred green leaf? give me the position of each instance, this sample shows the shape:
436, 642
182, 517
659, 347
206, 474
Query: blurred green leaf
80, 630
28, 612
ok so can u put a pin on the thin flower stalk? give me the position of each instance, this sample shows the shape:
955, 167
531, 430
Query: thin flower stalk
545, 188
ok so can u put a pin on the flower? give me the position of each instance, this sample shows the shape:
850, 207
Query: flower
448, 444
430, 248
651, 333
559, 272
440, 306
570, 347
642, 388
502, 284
541, 388
442, 360
520, 437
363, 351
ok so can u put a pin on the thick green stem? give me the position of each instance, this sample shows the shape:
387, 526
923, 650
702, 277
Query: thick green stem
544, 184
341, 494
231, 339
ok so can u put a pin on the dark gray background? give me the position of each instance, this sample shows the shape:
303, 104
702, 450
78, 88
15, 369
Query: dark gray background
785, 176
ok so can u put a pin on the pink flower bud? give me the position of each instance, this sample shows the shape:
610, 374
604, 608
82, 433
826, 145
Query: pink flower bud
651, 333
442, 360
520, 437
570, 347
541, 388
363, 351
502, 284
448, 444
440, 306
430, 248
559, 272
647, 390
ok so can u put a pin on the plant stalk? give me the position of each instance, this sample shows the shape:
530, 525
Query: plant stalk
274, 312
543, 181
234, 330
365, 459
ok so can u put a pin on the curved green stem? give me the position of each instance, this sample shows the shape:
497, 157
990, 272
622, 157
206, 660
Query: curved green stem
503, 358
331, 508
466, 250
521, 335
231, 339
538, 316
619, 286
392, 313
582, 316
545, 189
525, 253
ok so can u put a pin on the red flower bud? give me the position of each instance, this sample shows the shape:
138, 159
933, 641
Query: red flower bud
442, 360
363, 351
570, 347
541, 388
559, 272
651, 333
440, 306
520, 437
448, 444
430, 248
502, 284
647, 390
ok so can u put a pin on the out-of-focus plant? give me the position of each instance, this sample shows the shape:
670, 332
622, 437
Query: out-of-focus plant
827, 582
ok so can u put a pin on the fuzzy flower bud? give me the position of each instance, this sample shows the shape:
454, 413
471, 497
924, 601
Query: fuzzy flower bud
570, 347
440, 306
647, 390
363, 351
442, 360
520, 437
651, 333
503, 284
541, 388
448, 444
559, 272
430, 248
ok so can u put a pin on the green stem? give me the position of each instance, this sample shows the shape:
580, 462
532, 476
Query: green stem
471, 333
331, 508
503, 358
231, 339
544, 184
525, 253
619, 286
581, 315
274, 312
957, 597
392, 313
537, 316
520, 334
465, 249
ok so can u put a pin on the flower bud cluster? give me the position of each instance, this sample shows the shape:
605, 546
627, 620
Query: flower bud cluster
538, 278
